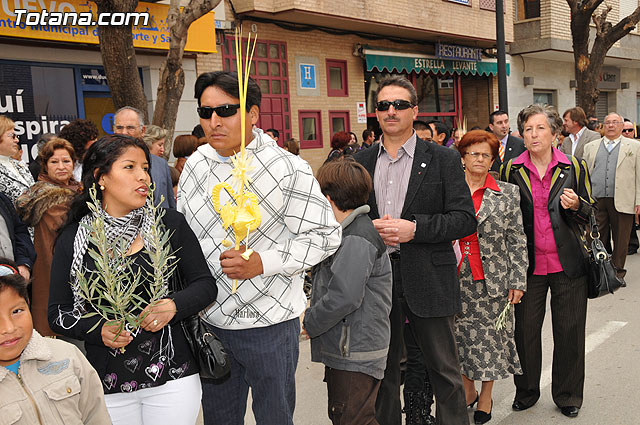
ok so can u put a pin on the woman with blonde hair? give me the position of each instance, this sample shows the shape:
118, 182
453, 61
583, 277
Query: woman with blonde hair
154, 137
15, 177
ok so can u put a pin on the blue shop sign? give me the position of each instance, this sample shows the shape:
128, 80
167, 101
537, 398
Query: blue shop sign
307, 76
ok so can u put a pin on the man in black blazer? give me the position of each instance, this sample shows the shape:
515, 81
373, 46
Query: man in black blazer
511, 146
419, 205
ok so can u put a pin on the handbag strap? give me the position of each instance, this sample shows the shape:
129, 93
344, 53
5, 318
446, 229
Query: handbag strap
593, 226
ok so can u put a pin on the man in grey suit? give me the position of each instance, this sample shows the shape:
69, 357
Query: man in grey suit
614, 166
419, 204
510, 146
574, 122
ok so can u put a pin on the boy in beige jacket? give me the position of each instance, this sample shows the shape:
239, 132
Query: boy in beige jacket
42, 380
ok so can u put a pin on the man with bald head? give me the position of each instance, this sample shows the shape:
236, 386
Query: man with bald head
130, 121
614, 165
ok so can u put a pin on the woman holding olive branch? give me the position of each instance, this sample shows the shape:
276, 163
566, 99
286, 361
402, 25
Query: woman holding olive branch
112, 268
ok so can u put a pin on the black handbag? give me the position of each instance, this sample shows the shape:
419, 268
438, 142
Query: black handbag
207, 349
601, 273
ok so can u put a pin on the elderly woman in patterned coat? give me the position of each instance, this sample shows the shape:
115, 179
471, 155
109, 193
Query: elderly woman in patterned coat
15, 177
492, 265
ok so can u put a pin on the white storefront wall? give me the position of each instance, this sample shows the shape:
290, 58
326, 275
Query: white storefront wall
555, 76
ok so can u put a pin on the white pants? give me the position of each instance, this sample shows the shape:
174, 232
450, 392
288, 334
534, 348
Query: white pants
174, 403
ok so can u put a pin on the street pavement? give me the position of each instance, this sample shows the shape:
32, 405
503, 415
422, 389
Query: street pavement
612, 370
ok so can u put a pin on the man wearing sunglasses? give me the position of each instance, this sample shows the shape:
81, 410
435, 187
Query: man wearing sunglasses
420, 203
259, 324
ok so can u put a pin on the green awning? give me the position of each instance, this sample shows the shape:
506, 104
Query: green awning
427, 64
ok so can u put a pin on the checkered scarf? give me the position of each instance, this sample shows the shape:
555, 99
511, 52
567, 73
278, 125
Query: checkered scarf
120, 233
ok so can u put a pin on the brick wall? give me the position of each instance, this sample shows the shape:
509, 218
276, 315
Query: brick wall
437, 16
326, 46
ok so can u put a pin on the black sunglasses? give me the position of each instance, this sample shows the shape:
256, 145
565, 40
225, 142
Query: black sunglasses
222, 111
626, 130
398, 105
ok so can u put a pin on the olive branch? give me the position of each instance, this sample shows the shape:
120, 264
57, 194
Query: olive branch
501, 323
112, 289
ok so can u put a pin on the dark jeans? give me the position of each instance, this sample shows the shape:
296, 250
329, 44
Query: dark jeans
416, 372
568, 319
388, 408
352, 397
264, 359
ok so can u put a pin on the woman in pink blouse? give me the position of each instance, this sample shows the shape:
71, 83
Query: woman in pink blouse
555, 201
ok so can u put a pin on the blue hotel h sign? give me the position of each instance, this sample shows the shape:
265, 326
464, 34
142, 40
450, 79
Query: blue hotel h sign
307, 76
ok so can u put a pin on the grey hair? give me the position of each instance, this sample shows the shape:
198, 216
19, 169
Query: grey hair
553, 118
400, 81
153, 134
131, 108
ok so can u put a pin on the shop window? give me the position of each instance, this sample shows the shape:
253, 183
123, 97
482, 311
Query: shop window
527, 9
435, 94
337, 78
310, 129
339, 121
544, 97
269, 70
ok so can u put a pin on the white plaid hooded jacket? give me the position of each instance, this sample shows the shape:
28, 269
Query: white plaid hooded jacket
298, 230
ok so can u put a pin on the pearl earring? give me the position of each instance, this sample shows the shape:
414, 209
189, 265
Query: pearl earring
101, 187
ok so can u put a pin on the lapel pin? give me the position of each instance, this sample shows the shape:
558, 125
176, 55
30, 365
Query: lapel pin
561, 175
423, 165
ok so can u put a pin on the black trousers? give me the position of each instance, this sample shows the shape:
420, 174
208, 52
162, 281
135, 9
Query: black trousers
568, 318
388, 408
436, 339
633, 240
416, 372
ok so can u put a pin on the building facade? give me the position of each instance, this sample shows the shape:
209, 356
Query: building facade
542, 62
318, 63
53, 74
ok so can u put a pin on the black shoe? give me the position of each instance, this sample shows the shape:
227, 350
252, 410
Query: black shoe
632, 251
470, 405
519, 406
570, 411
480, 417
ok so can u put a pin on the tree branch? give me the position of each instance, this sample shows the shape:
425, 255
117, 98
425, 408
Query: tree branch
625, 26
602, 26
589, 6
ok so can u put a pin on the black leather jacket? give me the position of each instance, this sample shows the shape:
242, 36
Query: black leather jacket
567, 224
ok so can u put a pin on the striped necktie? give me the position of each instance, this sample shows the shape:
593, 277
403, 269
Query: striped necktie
501, 152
